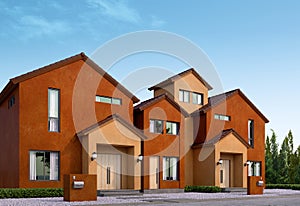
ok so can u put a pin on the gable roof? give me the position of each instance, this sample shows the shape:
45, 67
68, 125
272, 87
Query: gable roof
218, 99
177, 76
110, 118
219, 137
142, 106
13, 83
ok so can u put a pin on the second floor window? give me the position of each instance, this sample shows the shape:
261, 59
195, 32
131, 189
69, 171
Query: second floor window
184, 96
53, 110
108, 100
172, 128
254, 168
156, 126
251, 132
222, 117
197, 98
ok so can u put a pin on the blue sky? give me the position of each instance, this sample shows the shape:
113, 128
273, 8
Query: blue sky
254, 45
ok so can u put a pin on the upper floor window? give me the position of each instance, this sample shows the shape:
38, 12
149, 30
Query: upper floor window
222, 117
197, 98
44, 165
172, 128
254, 168
53, 110
108, 100
170, 168
251, 132
156, 126
11, 101
184, 96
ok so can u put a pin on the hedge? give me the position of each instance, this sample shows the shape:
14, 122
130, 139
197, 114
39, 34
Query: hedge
30, 192
202, 189
283, 186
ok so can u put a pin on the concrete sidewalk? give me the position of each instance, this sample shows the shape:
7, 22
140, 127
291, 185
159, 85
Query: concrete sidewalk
171, 199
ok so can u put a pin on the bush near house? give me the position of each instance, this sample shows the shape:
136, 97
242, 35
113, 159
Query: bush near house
30, 193
202, 189
283, 186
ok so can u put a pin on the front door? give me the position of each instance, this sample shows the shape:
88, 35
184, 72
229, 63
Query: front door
225, 174
154, 173
109, 171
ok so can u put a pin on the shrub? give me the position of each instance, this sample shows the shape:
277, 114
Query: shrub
283, 186
30, 192
203, 189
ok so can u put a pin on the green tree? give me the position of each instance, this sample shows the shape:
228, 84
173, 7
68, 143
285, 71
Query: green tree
268, 161
283, 164
274, 158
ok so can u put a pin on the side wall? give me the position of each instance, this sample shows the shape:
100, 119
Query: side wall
9, 147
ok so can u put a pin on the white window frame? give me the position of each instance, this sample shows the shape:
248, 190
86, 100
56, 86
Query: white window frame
170, 168
222, 117
172, 128
154, 128
53, 110
52, 169
197, 98
184, 96
108, 100
251, 132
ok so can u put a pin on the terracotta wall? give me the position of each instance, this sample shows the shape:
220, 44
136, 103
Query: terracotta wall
78, 111
163, 144
240, 112
9, 147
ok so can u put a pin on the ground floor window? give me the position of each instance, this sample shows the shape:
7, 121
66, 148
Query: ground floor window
170, 168
44, 165
254, 168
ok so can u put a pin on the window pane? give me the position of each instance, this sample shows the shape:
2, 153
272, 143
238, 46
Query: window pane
217, 116
197, 98
169, 128
158, 126
186, 96
53, 102
172, 128
181, 95
105, 100
97, 98
116, 101
39, 161
151, 127
165, 168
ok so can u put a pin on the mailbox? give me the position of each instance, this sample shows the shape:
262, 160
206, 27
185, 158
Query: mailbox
260, 183
78, 184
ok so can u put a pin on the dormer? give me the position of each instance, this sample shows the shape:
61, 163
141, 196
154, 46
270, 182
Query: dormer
187, 88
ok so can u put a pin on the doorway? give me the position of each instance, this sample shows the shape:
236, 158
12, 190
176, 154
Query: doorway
154, 172
225, 174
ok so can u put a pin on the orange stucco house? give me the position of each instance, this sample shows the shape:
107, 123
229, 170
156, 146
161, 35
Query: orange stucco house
73, 117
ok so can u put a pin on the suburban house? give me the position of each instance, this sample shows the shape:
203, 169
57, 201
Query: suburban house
73, 117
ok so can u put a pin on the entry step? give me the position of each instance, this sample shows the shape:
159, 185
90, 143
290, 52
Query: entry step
118, 192
234, 189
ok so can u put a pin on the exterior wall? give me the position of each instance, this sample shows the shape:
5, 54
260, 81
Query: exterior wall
240, 112
164, 144
189, 157
78, 110
114, 138
9, 147
190, 83
204, 166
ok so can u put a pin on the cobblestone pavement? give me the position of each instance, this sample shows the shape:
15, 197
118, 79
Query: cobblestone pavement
270, 197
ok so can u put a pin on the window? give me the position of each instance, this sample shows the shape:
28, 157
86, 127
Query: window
172, 128
44, 165
53, 110
254, 168
251, 133
170, 168
197, 98
156, 126
11, 101
184, 96
222, 117
108, 100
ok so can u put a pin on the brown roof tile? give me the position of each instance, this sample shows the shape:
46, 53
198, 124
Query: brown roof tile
175, 77
15, 81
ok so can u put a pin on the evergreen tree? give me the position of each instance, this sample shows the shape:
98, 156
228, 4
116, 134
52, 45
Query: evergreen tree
283, 164
268, 161
274, 158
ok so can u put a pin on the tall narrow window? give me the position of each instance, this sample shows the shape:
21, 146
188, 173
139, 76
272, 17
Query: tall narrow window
172, 128
53, 110
44, 165
254, 168
251, 133
184, 96
170, 169
156, 126
197, 98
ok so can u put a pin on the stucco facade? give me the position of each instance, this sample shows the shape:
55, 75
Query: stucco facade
179, 137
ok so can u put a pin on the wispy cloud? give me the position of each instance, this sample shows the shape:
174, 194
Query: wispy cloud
118, 10
39, 26
156, 22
